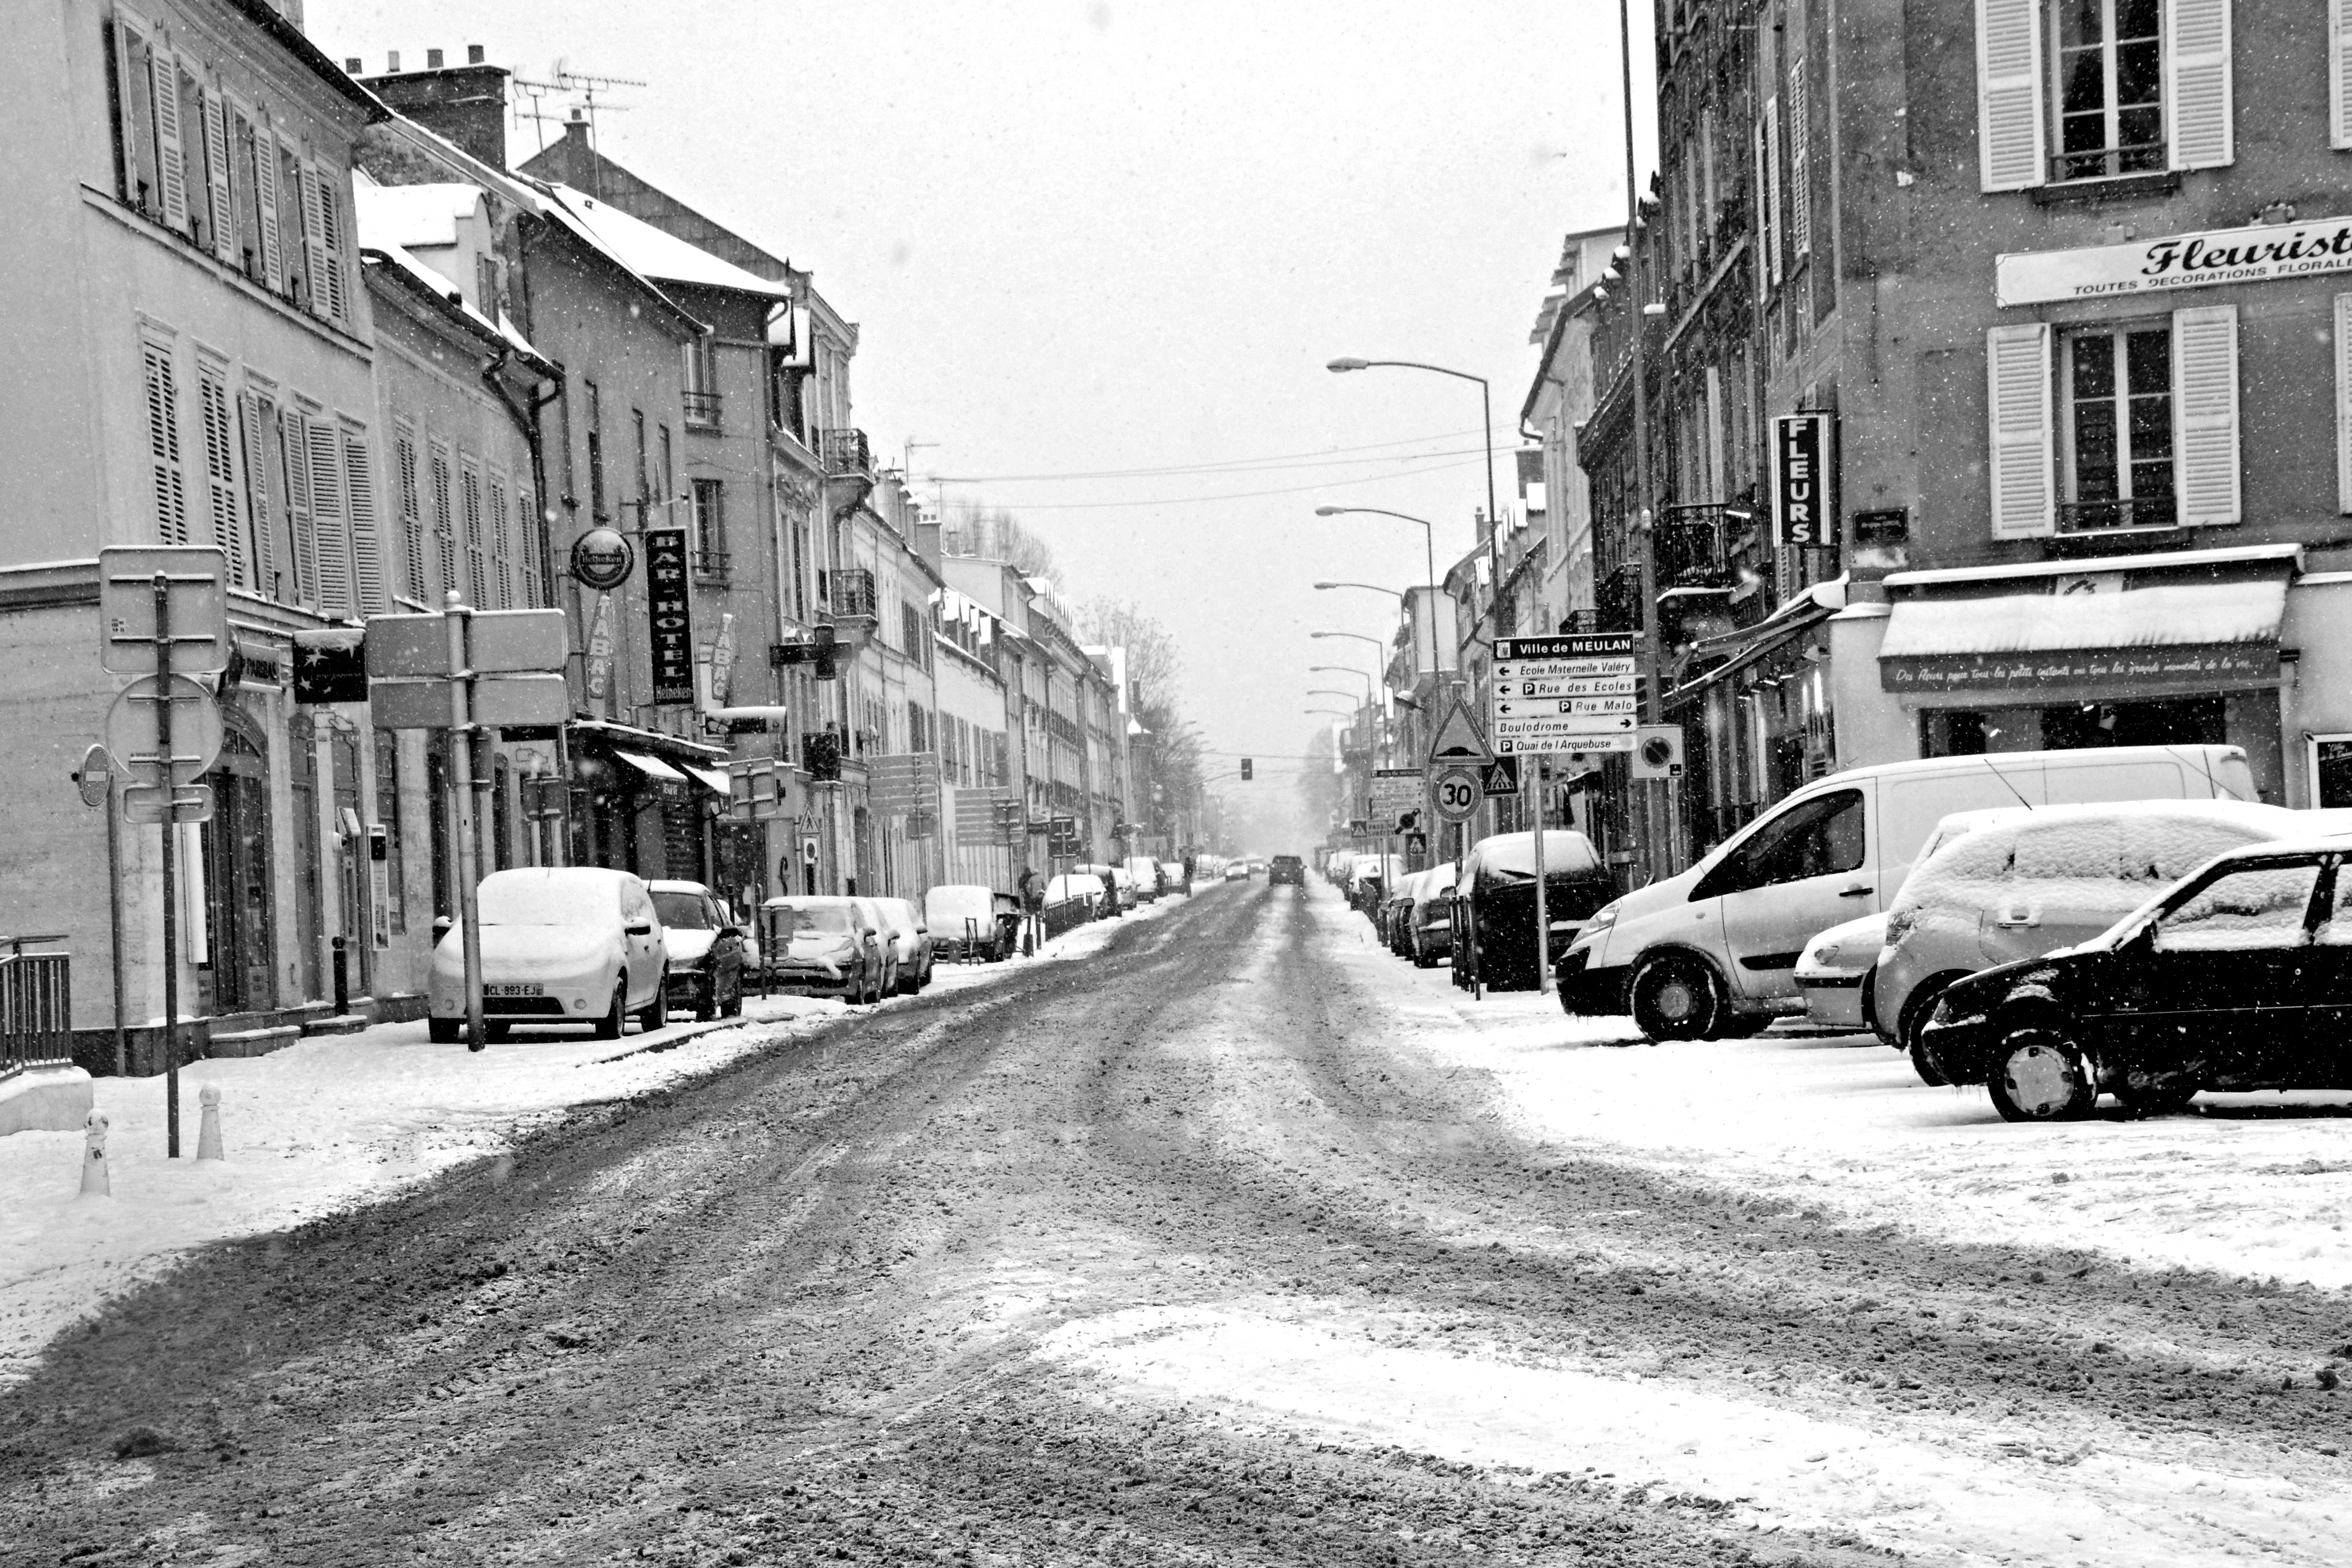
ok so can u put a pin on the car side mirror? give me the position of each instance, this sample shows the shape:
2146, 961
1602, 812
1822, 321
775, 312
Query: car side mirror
640, 929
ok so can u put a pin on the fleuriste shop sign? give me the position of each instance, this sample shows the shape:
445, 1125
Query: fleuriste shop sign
2258, 254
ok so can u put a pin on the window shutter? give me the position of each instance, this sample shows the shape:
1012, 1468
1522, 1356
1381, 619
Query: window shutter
2009, 94
1800, 173
469, 490
2017, 368
134, 103
2339, 73
2344, 402
331, 244
2205, 414
1771, 188
293, 446
329, 521
2197, 83
265, 202
224, 234
412, 516
252, 411
367, 549
501, 544
220, 468
445, 530
164, 443
314, 240
171, 174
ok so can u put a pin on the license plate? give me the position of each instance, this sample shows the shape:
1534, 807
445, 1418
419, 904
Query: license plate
532, 989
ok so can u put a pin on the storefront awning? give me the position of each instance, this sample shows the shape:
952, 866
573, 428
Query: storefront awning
2088, 630
715, 779
652, 767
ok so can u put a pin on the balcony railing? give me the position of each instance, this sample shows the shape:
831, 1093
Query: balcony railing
846, 452
1692, 544
849, 593
701, 410
2114, 516
713, 564
1617, 600
2107, 163
36, 1005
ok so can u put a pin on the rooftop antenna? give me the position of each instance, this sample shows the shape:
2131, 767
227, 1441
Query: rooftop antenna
584, 109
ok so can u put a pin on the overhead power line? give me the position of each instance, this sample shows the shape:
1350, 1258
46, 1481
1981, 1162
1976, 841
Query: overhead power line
1309, 459
1244, 495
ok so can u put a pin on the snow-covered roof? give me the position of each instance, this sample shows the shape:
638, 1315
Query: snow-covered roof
452, 299
2168, 561
558, 209
414, 216
2165, 614
656, 254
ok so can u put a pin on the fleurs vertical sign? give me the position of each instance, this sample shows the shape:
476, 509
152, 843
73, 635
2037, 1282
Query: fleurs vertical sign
670, 614
1804, 481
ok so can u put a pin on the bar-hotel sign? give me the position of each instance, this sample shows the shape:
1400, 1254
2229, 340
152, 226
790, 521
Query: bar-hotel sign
1804, 481
2259, 255
670, 614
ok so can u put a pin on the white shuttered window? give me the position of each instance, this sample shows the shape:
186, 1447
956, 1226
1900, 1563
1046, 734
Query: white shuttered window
330, 525
2205, 414
367, 548
163, 393
1800, 173
2010, 132
171, 139
219, 427
2197, 81
2018, 384
1771, 188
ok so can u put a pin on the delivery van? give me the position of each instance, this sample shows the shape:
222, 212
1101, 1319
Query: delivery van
1713, 950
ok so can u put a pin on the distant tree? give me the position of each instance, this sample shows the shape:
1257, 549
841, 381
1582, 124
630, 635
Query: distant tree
998, 536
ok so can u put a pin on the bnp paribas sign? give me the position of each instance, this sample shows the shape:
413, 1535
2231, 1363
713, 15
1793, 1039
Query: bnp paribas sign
2259, 255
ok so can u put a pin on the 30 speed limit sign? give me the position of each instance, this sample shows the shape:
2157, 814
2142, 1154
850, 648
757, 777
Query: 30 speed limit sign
1457, 794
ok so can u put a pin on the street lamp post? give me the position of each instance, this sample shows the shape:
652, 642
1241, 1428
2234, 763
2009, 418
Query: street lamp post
1486, 401
1368, 587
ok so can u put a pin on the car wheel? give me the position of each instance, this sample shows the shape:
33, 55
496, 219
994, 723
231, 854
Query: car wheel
706, 1001
2039, 1075
734, 1008
1930, 1071
2157, 1094
657, 1011
1675, 997
445, 1031
608, 1028
1916, 1013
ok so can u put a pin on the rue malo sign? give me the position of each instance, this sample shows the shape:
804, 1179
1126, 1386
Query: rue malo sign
670, 614
1804, 481
2260, 254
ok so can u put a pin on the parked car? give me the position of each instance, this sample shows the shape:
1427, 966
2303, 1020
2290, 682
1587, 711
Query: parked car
1713, 950
1367, 878
823, 946
1431, 921
2237, 978
1494, 906
910, 944
706, 949
1288, 870
568, 944
967, 920
1394, 919
1144, 872
1085, 887
2045, 879
1173, 879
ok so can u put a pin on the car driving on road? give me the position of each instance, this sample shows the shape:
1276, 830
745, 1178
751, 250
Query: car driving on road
1285, 869
570, 945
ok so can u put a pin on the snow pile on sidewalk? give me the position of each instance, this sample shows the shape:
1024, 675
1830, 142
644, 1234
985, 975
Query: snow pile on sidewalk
2252, 1185
333, 1122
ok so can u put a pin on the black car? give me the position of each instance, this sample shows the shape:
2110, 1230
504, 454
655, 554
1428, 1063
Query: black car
1493, 908
2238, 978
1287, 868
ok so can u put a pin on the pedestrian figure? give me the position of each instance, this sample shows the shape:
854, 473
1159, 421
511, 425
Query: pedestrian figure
1110, 893
1032, 893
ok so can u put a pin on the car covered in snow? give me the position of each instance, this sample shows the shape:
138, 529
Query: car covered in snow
1144, 872
1085, 888
1493, 906
969, 921
910, 944
1173, 879
2033, 881
2237, 978
827, 946
1713, 950
706, 949
1834, 973
1430, 926
560, 944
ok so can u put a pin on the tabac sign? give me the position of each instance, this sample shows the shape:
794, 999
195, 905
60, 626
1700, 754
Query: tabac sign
1804, 481
2259, 255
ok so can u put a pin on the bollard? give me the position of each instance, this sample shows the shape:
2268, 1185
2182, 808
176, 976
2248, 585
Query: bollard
208, 1139
342, 979
95, 1181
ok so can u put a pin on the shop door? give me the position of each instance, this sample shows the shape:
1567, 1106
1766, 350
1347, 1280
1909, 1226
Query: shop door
237, 878
351, 862
302, 779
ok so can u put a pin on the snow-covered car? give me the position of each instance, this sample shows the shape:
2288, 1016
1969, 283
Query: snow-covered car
1431, 922
2238, 978
1083, 887
967, 920
1834, 973
1173, 879
2034, 881
707, 954
825, 947
566, 944
1493, 909
1144, 871
910, 943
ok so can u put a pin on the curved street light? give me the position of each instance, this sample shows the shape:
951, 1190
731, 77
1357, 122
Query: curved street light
1372, 588
1486, 406
1344, 669
1335, 691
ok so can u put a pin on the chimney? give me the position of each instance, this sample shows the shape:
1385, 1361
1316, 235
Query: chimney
473, 54
392, 62
466, 103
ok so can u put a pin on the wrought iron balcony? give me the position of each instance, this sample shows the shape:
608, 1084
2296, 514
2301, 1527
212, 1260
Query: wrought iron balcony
1693, 546
701, 410
2113, 516
713, 564
849, 593
846, 452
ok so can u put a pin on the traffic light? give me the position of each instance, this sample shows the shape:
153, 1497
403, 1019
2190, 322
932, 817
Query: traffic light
1246, 774
821, 654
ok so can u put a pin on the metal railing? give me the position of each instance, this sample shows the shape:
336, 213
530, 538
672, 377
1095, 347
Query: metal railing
2107, 163
846, 452
1691, 546
849, 592
36, 1005
711, 563
2104, 516
1070, 912
701, 409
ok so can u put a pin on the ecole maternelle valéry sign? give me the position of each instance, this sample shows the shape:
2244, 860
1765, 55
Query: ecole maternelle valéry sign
2259, 255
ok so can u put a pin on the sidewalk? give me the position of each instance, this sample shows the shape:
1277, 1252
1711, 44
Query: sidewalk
337, 1122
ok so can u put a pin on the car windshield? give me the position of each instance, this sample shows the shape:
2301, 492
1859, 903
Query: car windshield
822, 920
683, 911
547, 898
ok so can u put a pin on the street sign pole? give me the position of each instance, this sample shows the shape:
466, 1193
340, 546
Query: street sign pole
463, 812
171, 831
1543, 916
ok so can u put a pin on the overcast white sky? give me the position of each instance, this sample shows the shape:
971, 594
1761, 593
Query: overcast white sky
1114, 236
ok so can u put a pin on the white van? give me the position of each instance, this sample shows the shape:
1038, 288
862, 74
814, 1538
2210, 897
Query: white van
1713, 950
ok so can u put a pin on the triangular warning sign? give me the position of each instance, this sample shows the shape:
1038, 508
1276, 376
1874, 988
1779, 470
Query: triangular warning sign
1458, 740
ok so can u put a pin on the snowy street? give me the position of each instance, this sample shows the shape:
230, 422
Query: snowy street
1237, 1241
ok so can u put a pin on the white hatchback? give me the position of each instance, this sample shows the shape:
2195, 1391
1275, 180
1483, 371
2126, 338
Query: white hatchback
567, 944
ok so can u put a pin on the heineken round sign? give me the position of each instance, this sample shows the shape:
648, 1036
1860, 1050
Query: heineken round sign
601, 557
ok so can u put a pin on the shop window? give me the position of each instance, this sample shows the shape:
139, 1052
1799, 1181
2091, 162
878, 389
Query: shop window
2331, 775
2115, 428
